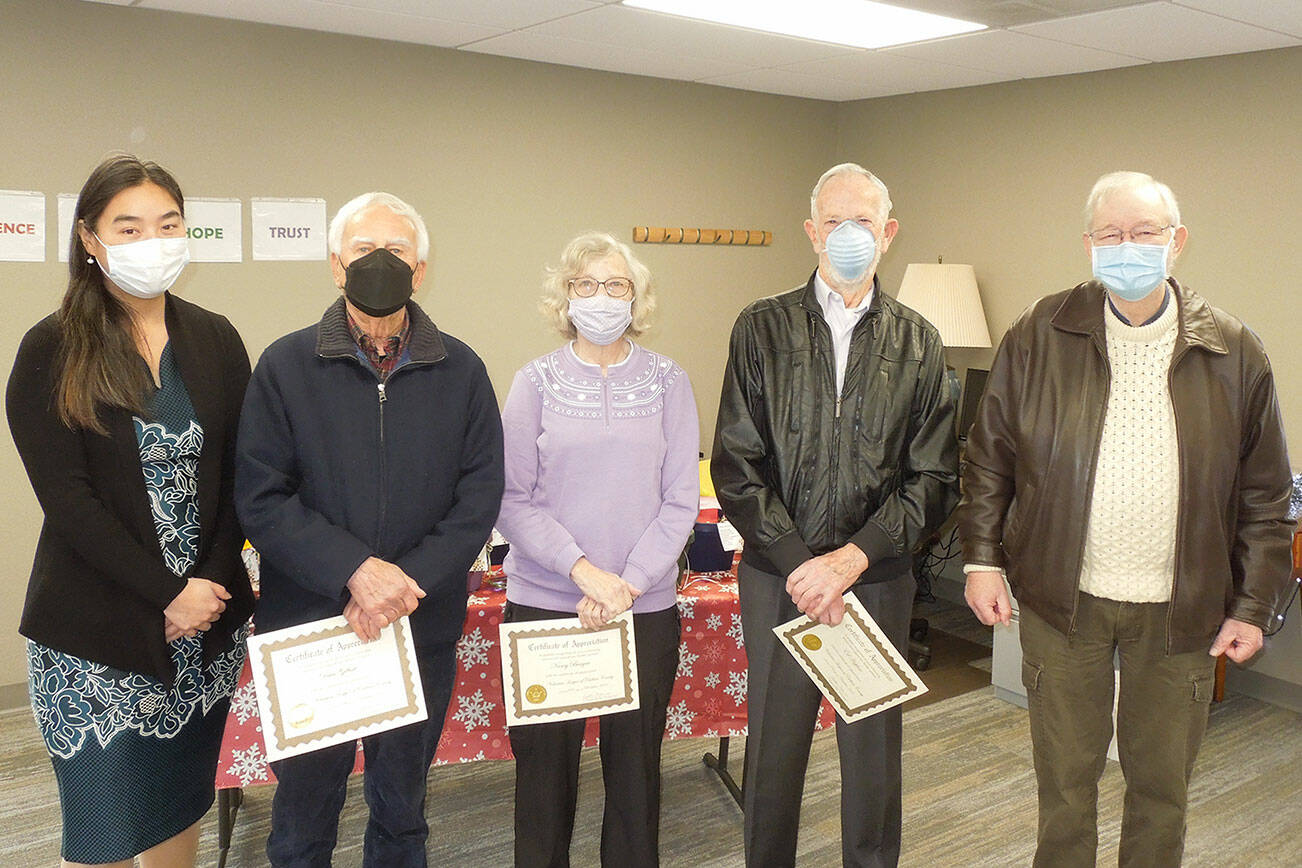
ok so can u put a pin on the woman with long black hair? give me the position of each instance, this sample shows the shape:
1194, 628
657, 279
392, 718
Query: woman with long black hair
123, 405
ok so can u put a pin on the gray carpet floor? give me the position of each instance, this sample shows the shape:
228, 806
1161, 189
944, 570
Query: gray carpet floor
969, 795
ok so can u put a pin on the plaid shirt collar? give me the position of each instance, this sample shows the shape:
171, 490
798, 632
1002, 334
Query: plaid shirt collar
394, 346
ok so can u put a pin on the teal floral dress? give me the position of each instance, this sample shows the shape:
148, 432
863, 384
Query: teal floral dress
134, 758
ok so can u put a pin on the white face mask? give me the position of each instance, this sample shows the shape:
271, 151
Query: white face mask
148, 268
600, 318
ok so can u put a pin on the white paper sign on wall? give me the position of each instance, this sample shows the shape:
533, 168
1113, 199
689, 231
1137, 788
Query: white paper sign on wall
288, 228
22, 226
215, 228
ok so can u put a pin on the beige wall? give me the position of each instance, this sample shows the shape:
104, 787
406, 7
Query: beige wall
997, 177
508, 159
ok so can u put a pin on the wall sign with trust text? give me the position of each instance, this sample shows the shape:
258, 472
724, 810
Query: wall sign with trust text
289, 228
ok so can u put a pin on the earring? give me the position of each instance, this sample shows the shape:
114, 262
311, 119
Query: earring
90, 260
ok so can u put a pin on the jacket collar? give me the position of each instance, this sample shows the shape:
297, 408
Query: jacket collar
809, 298
192, 355
1081, 312
335, 340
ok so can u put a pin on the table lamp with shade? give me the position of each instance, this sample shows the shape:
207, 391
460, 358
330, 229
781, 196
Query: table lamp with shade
948, 297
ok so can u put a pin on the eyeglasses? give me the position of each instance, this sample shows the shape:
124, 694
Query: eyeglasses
586, 287
1110, 236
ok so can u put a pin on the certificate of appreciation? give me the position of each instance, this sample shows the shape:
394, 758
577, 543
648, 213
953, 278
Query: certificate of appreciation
560, 670
854, 664
319, 685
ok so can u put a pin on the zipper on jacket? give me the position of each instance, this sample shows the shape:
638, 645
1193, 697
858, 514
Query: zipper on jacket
832, 486
829, 368
1089, 485
1178, 354
384, 477
832, 482
382, 395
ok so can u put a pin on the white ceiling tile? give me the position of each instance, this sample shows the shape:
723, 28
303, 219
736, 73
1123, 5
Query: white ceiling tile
503, 14
290, 13
1014, 55
1282, 15
790, 84
1158, 32
881, 74
333, 18
622, 26
600, 34
528, 45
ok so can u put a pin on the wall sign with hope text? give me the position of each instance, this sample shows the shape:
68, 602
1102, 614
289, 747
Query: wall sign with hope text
215, 228
289, 228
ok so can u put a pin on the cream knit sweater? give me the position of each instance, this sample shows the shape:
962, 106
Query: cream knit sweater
1130, 542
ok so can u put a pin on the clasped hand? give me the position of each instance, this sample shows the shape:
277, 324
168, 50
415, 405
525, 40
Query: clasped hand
195, 609
381, 594
818, 585
605, 595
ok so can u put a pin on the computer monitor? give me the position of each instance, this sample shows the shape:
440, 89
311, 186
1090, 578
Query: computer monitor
974, 386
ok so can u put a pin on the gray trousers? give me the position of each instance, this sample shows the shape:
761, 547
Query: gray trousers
783, 708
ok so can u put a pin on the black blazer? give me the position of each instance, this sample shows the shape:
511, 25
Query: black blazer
99, 585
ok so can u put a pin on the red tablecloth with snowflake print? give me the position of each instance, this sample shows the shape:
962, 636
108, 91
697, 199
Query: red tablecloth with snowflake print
709, 696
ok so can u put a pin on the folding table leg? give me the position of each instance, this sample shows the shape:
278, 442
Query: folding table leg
720, 766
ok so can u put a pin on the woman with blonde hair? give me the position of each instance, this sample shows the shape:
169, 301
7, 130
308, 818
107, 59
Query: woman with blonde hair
601, 442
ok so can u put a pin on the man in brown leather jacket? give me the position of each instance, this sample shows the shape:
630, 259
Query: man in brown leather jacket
1127, 470
834, 456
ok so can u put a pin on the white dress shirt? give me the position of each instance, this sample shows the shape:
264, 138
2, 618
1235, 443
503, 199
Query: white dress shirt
841, 321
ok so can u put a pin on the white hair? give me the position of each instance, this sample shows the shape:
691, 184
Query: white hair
1114, 181
849, 169
370, 200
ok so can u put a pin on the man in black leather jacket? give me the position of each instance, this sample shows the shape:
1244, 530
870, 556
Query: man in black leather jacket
834, 456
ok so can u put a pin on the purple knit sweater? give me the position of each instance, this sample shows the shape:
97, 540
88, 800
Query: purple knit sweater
602, 467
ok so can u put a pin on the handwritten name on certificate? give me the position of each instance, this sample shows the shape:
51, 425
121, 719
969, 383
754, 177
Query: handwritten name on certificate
319, 685
559, 670
854, 664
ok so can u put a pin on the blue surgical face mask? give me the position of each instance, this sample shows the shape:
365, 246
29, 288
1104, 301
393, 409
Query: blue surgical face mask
851, 249
1130, 270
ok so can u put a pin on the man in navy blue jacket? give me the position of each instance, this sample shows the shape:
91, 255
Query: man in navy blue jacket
369, 476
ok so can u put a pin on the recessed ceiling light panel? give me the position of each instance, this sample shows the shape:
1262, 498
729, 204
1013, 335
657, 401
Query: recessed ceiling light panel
858, 23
